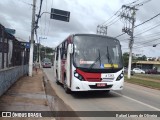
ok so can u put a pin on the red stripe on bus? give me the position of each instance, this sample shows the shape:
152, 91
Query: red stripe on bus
91, 77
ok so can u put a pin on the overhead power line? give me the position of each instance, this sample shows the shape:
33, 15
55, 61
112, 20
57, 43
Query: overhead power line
117, 13
142, 3
132, 2
140, 24
149, 35
149, 41
140, 47
147, 30
147, 20
49, 20
26, 3
111, 17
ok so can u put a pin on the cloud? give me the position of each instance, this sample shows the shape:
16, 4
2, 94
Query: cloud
84, 18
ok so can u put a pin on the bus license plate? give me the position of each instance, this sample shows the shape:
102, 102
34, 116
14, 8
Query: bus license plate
101, 84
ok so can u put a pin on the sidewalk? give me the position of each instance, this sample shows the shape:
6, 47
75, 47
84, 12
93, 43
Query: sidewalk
27, 94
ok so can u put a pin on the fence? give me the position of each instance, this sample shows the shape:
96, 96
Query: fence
14, 57
12, 51
10, 75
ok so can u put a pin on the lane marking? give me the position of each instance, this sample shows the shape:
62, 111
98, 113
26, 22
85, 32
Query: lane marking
137, 101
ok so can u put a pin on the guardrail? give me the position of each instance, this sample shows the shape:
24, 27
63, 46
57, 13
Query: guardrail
11, 75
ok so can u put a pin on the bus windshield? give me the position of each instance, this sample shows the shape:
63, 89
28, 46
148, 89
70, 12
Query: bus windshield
97, 52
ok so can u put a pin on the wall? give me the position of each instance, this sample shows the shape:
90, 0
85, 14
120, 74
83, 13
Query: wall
10, 75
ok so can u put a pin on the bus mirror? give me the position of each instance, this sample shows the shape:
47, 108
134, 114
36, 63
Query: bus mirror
70, 48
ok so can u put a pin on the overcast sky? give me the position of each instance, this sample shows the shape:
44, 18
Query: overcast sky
84, 18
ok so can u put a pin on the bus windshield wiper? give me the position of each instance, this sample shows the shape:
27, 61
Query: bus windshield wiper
98, 58
109, 58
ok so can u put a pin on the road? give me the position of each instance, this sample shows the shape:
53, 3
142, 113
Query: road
131, 98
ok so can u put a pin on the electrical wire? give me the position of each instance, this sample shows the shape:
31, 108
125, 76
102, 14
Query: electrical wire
149, 41
148, 30
113, 22
117, 12
149, 35
142, 3
45, 21
140, 45
110, 17
147, 20
132, 2
26, 3
141, 24
49, 21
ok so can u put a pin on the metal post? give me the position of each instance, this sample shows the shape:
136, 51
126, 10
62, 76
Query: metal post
32, 39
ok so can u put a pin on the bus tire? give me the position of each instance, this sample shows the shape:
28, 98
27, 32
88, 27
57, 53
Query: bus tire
58, 83
67, 90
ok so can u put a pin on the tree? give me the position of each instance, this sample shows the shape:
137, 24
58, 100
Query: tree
47, 49
144, 58
125, 59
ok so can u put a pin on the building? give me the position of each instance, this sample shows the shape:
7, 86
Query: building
147, 65
12, 51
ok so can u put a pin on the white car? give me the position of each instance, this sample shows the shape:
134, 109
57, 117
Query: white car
138, 70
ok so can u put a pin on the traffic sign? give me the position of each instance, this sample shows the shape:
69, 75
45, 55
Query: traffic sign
26, 44
60, 15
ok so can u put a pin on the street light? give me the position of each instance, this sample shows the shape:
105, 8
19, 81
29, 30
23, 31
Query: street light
40, 49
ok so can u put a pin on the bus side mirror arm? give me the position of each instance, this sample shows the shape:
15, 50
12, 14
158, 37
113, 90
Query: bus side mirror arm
70, 48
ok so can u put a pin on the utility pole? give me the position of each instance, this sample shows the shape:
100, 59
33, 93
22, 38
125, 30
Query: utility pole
128, 14
32, 39
102, 30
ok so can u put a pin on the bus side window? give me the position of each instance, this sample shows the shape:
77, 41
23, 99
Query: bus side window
63, 51
57, 53
60, 48
66, 46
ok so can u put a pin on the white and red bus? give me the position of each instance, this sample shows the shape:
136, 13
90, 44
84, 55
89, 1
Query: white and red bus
86, 62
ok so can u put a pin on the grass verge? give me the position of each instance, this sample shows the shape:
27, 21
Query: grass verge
148, 76
150, 84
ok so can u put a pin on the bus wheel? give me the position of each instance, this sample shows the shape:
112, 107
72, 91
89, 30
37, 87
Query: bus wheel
67, 90
58, 83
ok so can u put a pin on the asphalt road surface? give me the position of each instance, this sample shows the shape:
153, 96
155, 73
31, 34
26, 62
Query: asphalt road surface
131, 98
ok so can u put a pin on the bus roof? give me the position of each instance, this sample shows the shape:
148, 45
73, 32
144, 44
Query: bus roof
82, 34
94, 35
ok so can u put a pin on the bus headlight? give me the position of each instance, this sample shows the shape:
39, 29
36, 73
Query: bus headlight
120, 77
80, 77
